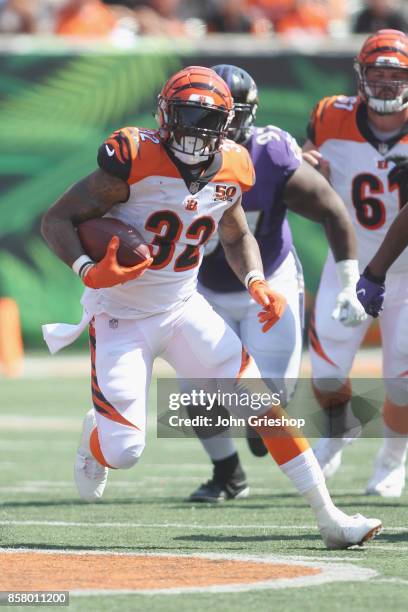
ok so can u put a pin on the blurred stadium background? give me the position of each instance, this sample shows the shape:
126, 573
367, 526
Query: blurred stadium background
60, 95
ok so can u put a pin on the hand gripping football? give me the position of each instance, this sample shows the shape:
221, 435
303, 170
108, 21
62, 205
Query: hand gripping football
95, 235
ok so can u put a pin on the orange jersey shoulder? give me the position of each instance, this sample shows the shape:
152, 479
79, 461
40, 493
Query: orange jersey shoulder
237, 166
133, 153
334, 118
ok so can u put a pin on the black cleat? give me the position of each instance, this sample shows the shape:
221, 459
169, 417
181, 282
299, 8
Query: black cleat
255, 442
213, 492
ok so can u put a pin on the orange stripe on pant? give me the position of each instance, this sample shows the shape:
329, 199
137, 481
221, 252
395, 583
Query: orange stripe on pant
330, 399
314, 342
101, 404
108, 411
283, 442
95, 447
245, 362
396, 417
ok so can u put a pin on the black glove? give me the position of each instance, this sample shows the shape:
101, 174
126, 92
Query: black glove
399, 174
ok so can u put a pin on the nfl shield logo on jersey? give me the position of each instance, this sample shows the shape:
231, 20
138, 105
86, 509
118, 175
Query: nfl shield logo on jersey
194, 187
383, 148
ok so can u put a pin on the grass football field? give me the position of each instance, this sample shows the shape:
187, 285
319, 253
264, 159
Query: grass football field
262, 553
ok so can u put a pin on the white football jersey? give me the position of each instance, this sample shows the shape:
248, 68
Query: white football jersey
359, 171
176, 214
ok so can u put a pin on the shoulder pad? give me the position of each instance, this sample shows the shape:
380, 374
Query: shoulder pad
118, 153
237, 165
333, 117
274, 150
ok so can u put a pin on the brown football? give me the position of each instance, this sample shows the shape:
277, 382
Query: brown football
95, 235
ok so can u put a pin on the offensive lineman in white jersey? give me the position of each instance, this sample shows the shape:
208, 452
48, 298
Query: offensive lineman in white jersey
175, 185
361, 138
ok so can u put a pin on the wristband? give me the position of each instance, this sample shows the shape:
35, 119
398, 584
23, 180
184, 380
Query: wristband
380, 280
252, 276
80, 265
84, 269
347, 273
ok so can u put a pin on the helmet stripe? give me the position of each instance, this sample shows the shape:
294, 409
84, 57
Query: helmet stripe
386, 49
199, 86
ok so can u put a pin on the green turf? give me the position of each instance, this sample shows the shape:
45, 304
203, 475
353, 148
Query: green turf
36, 484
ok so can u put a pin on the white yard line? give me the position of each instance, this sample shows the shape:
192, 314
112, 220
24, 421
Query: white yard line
46, 491
78, 365
149, 525
119, 525
260, 558
392, 581
17, 445
402, 548
137, 482
73, 366
114, 483
11, 422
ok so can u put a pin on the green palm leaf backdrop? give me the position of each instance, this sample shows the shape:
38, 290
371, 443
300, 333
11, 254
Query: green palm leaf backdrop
55, 110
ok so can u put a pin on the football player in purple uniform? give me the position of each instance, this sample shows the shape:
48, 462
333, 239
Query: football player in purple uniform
283, 181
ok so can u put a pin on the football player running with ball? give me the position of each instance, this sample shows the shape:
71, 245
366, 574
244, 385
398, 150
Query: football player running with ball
361, 139
148, 179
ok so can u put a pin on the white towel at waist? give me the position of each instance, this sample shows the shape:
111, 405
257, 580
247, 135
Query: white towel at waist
59, 335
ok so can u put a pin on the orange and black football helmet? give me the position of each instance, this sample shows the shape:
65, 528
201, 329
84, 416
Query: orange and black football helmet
194, 110
386, 49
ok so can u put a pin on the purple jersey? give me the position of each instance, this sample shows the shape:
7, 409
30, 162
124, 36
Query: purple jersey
275, 155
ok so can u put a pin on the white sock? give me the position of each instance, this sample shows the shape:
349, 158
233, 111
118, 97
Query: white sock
326, 448
219, 447
394, 446
307, 476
